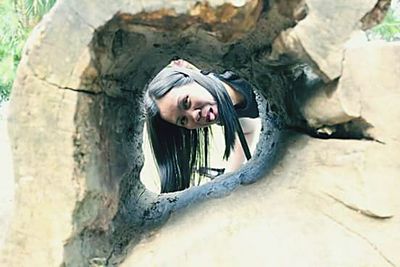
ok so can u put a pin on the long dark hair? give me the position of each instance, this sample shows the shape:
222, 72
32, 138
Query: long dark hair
177, 150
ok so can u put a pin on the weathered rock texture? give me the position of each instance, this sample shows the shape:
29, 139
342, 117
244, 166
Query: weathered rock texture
76, 126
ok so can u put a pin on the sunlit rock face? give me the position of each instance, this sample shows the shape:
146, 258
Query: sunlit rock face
76, 126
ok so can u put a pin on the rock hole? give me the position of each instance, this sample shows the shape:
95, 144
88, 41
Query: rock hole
127, 52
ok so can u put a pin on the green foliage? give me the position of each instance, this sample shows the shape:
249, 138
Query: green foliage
389, 29
17, 19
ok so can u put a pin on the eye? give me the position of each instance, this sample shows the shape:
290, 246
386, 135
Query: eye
186, 102
183, 121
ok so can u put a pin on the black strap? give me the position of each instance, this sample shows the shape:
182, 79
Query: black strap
243, 141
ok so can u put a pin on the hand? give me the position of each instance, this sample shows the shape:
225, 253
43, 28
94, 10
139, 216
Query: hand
183, 64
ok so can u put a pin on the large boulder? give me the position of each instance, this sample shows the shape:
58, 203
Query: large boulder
326, 202
76, 126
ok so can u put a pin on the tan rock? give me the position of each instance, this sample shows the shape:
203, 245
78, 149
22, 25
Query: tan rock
372, 70
318, 207
77, 146
315, 39
367, 91
45, 197
327, 106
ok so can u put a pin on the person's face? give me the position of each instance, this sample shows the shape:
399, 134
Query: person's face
190, 106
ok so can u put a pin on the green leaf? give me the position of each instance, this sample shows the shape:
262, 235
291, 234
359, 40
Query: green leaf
389, 29
17, 19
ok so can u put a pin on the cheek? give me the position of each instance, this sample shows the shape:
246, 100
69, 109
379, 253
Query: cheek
209, 97
191, 126
205, 99
204, 95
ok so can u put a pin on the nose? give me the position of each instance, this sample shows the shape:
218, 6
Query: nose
194, 115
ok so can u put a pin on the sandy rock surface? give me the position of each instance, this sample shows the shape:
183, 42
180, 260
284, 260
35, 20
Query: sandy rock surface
76, 124
6, 175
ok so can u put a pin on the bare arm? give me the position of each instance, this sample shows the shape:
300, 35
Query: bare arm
251, 129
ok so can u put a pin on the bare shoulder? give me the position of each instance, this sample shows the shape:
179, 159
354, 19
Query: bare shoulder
250, 125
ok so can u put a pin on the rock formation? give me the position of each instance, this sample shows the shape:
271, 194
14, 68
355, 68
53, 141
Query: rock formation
321, 189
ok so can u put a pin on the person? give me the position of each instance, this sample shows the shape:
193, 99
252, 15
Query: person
181, 104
